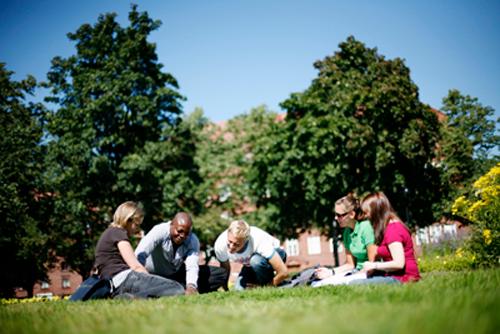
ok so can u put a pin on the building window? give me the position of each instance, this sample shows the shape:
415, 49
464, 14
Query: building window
314, 245
292, 247
44, 285
48, 295
66, 283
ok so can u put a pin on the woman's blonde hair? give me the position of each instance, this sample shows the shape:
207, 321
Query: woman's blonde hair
125, 214
240, 229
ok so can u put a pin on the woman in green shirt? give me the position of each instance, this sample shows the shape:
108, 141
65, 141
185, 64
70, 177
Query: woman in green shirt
358, 237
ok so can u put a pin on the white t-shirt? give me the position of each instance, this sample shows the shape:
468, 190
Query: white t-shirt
259, 242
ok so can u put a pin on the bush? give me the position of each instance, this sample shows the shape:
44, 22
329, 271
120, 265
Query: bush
457, 260
482, 208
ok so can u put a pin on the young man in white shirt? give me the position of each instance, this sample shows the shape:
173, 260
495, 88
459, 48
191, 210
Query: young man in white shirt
263, 261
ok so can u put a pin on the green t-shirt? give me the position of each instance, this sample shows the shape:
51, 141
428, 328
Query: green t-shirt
356, 241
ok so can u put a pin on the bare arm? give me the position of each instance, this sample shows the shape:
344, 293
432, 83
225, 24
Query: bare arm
348, 265
128, 256
372, 252
226, 266
397, 262
280, 268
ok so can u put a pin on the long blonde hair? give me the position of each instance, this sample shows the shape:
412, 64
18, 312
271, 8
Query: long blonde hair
125, 214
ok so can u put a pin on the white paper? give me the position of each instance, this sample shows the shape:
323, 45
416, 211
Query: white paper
340, 279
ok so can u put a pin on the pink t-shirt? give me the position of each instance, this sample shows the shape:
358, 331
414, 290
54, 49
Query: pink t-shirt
397, 232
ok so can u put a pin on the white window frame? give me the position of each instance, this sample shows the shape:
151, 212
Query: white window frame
314, 245
292, 247
66, 283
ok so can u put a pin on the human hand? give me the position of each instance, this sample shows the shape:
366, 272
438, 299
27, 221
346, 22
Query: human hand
323, 272
191, 290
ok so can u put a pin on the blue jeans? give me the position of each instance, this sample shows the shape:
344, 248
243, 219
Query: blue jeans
260, 271
141, 285
375, 280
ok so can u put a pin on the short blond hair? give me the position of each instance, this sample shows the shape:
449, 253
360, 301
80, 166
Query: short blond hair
240, 229
125, 214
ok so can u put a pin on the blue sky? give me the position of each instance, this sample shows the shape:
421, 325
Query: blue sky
230, 56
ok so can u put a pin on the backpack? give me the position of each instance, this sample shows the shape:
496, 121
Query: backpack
93, 287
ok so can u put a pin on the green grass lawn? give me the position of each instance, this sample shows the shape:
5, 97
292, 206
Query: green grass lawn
443, 302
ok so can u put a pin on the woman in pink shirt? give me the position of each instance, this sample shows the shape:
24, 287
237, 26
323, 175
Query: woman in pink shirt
395, 244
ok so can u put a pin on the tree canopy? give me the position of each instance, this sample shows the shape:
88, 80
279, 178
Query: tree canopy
359, 127
22, 234
469, 138
115, 134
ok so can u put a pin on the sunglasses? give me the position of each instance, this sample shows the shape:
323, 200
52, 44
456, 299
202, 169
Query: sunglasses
341, 215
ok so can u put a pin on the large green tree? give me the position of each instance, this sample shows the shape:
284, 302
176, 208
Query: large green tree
22, 236
115, 134
469, 136
359, 127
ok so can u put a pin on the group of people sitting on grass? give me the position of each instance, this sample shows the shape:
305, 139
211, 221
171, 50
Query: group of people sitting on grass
378, 246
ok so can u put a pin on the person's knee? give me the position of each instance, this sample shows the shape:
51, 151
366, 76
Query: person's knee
257, 261
169, 287
262, 270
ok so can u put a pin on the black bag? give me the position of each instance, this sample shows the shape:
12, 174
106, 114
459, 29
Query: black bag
93, 287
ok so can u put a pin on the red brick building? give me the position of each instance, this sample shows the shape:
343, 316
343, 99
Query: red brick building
310, 249
62, 282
